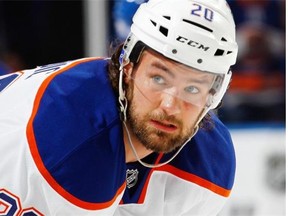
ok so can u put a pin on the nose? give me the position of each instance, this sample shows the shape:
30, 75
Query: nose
170, 104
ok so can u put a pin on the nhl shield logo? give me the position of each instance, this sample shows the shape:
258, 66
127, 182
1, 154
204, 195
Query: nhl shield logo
131, 177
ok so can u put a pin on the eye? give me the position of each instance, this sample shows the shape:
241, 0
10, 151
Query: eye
192, 89
158, 79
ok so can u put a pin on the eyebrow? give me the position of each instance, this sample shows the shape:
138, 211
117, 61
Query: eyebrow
202, 80
161, 66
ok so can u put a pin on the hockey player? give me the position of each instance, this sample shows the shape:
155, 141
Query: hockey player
128, 135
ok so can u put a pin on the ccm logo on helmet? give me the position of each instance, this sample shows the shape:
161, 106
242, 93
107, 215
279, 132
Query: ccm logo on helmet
191, 43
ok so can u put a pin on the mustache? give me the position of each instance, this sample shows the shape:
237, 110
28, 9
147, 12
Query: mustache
162, 116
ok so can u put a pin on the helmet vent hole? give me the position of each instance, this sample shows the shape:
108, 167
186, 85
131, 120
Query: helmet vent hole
199, 61
163, 30
174, 51
223, 39
167, 17
154, 23
219, 52
198, 25
229, 52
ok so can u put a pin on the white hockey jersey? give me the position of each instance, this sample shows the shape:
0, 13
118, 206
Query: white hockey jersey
62, 152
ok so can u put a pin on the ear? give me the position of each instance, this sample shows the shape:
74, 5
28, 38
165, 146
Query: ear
128, 69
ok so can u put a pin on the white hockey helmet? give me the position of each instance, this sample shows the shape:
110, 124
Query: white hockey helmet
197, 33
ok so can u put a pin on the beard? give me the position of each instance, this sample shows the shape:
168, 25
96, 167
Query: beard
152, 138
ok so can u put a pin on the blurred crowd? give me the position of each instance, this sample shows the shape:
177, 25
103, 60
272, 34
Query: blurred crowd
257, 90
34, 32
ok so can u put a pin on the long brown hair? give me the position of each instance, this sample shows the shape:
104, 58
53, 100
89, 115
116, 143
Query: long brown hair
114, 65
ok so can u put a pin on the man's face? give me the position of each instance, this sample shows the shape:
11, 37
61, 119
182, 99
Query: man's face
165, 100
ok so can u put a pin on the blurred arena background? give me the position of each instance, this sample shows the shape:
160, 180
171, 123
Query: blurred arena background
41, 32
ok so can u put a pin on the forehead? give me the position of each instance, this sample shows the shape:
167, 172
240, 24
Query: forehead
155, 60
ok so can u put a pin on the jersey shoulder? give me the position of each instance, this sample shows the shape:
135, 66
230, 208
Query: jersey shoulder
72, 130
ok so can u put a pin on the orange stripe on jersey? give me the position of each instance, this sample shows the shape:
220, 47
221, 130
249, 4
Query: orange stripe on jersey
4, 207
186, 176
37, 158
195, 179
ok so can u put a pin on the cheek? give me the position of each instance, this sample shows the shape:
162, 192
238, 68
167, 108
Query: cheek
191, 114
138, 102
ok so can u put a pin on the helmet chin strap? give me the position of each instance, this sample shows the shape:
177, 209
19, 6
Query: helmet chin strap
122, 98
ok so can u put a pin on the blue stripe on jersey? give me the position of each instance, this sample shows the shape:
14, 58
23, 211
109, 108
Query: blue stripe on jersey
79, 134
